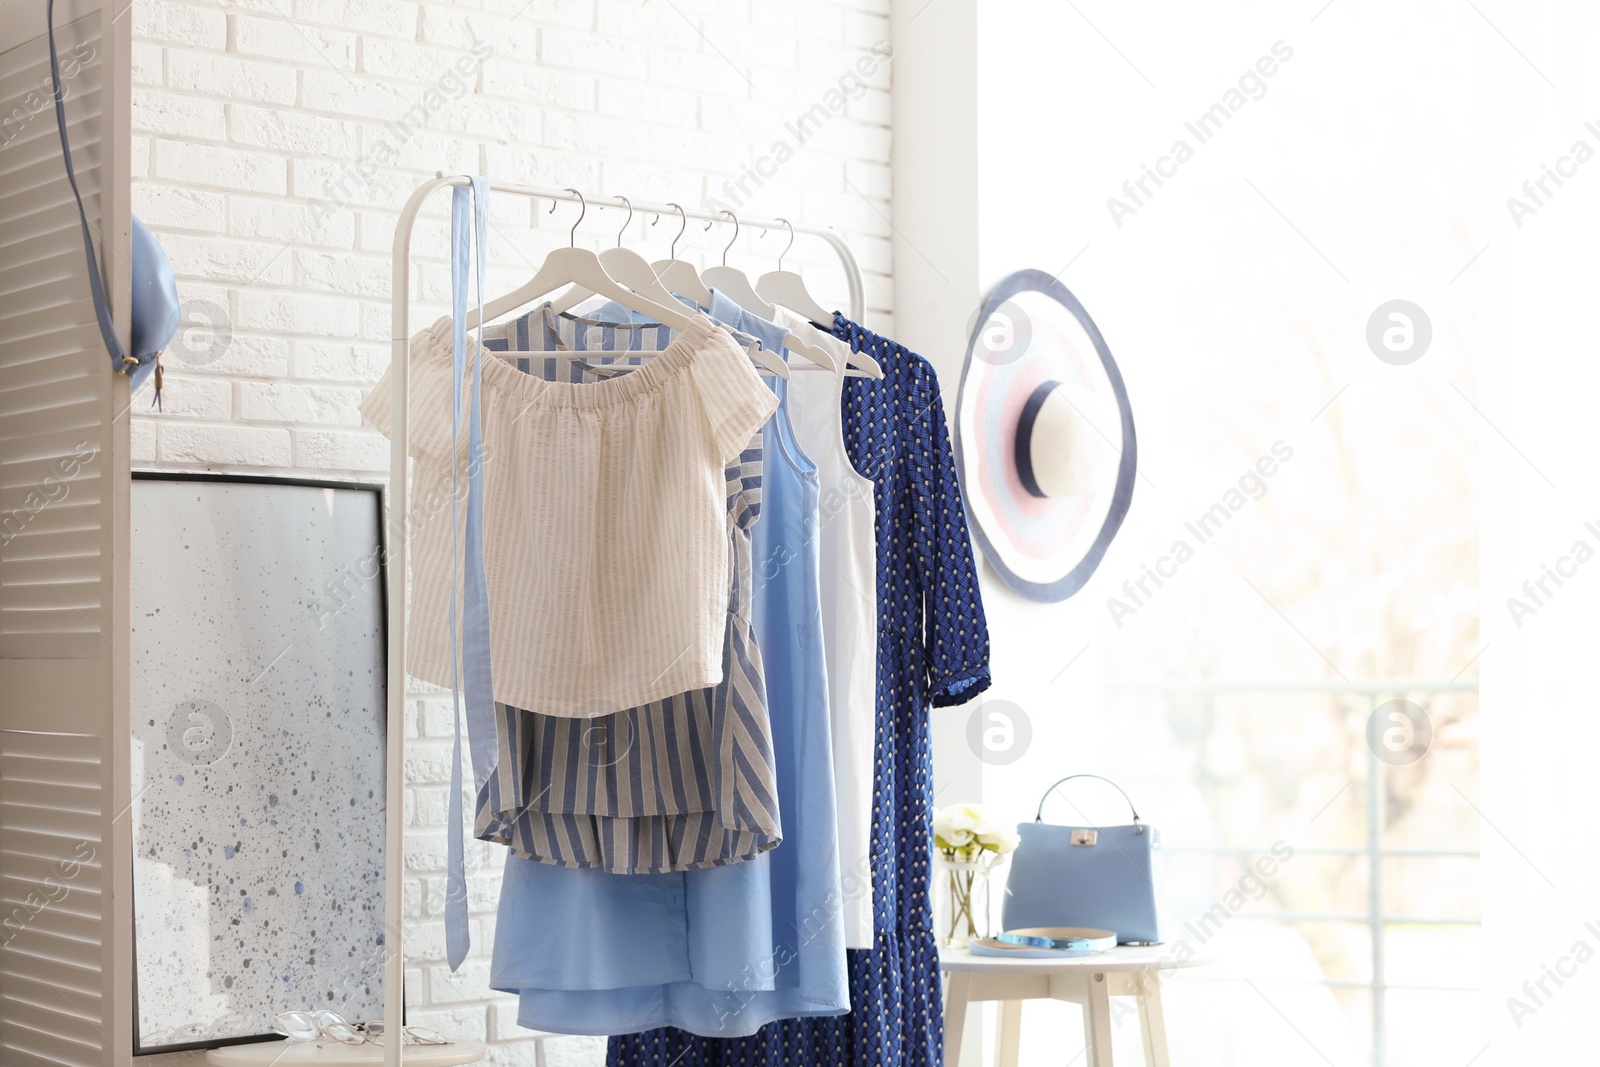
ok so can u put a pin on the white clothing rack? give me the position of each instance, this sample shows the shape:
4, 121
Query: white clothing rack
400, 365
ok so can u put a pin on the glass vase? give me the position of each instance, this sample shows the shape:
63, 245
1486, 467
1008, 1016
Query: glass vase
964, 911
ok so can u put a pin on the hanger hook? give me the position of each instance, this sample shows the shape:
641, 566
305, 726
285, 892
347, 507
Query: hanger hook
583, 209
625, 221
790, 227
732, 239
683, 224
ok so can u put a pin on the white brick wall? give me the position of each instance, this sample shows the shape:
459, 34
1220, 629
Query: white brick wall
271, 158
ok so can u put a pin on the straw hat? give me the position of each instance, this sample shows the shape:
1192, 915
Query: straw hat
1044, 437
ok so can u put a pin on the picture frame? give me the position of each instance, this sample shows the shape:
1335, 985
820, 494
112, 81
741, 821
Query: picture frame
258, 696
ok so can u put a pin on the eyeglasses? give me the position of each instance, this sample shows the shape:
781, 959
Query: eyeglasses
311, 1025
331, 1026
409, 1035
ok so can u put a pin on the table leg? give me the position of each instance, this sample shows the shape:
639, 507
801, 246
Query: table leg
1008, 1049
1152, 1021
1097, 1022
957, 995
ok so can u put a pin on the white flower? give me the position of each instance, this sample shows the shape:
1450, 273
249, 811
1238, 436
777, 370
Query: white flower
965, 817
1006, 841
998, 839
967, 829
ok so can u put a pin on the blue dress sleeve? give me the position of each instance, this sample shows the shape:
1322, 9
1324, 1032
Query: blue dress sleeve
955, 634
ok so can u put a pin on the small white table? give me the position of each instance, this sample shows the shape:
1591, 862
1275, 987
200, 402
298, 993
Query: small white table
289, 1053
1088, 981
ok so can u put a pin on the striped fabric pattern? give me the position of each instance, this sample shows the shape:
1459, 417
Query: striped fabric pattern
678, 784
604, 521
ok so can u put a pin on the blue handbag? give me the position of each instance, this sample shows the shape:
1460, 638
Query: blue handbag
1096, 876
154, 311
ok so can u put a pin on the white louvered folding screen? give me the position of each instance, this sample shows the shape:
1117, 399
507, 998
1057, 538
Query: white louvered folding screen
64, 868
52, 363
52, 903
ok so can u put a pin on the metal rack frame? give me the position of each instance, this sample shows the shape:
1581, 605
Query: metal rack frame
398, 507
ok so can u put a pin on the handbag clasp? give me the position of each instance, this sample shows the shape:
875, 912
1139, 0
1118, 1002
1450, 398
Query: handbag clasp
1085, 837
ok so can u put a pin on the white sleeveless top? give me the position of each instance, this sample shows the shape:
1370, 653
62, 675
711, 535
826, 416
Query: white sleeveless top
604, 520
847, 554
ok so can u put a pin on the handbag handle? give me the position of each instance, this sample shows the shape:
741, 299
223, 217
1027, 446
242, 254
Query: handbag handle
102, 309
1038, 816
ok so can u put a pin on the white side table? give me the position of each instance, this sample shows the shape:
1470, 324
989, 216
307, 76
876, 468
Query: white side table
1088, 981
289, 1054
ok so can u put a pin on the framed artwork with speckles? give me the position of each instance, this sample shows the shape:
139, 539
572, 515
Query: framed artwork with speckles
258, 722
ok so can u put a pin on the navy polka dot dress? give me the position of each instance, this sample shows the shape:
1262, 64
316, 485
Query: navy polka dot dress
933, 650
